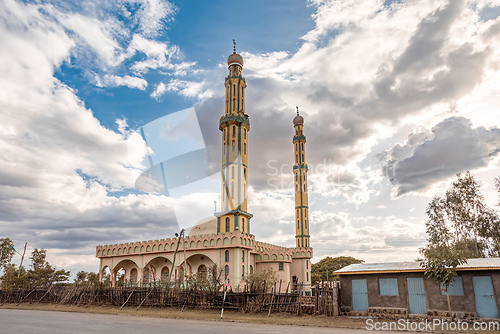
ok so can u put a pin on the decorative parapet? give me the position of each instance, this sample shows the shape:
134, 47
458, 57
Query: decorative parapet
302, 252
195, 242
272, 253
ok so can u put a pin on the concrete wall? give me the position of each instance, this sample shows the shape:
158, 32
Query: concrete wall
434, 300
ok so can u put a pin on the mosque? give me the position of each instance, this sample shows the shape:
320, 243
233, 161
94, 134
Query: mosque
224, 240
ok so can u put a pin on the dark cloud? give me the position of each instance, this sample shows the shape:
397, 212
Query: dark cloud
452, 146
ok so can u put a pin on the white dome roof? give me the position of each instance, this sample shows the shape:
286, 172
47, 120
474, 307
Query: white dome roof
204, 226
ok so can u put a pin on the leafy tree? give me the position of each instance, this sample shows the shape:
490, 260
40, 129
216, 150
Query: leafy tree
6, 252
10, 279
85, 278
329, 265
262, 280
440, 262
42, 273
459, 226
461, 219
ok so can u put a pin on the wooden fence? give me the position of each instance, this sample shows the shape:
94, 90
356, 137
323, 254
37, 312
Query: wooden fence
246, 301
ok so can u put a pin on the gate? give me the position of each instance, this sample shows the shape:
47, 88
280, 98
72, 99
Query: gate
486, 305
359, 295
416, 295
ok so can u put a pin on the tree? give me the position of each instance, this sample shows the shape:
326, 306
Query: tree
329, 265
10, 279
86, 278
6, 252
440, 262
462, 220
262, 280
459, 226
42, 273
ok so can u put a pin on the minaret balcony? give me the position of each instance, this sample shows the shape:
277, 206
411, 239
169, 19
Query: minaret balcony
234, 118
302, 166
299, 138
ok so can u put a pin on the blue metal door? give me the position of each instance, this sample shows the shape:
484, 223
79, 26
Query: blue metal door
486, 305
416, 295
359, 295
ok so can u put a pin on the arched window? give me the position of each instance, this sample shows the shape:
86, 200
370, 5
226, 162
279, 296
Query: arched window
146, 276
306, 242
226, 255
251, 269
234, 130
244, 133
280, 266
133, 276
307, 264
202, 272
224, 148
165, 273
232, 190
296, 177
226, 271
234, 87
302, 146
296, 188
242, 272
306, 222
296, 158
242, 256
307, 276
232, 172
244, 192
243, 226
303, 158
233, 146
227, 224
305, 187
244, 148
244, 174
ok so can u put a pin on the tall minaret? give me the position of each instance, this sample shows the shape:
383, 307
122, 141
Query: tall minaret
300, 181
235, 126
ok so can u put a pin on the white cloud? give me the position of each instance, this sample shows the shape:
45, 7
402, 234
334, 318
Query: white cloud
452, 146
116, 81
160, 89
59, 165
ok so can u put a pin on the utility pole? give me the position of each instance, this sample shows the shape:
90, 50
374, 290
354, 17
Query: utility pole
22, 258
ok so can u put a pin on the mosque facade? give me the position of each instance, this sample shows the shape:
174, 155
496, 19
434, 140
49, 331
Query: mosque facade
224, 241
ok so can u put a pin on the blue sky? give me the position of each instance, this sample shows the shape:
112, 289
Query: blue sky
397, 98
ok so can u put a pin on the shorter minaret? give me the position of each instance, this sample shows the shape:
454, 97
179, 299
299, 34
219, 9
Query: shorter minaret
300, 182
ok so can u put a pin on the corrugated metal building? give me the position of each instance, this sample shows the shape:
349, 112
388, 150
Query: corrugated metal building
402, 288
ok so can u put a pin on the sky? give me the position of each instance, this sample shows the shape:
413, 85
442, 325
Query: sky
397, 96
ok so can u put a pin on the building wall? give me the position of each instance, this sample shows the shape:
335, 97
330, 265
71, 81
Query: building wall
283, 276
434, 300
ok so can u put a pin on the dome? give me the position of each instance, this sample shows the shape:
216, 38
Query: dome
204, 226
235, 58
298, 120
